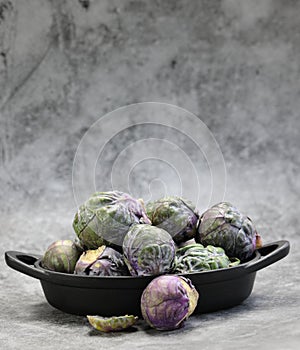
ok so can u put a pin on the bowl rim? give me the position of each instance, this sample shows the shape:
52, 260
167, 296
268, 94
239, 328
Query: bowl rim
83, 281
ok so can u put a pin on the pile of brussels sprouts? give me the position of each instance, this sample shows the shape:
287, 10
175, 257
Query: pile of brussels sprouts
117, 235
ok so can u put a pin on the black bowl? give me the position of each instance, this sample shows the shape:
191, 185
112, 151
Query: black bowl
112, 296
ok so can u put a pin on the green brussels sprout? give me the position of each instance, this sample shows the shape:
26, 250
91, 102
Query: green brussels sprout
223, 225
196, 257
103, 261
175, 215
168, 301
105, 218
112, 324
61, 256
148, 250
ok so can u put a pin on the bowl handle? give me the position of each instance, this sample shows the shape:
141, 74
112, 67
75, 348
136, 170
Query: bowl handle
24, 262
270, 253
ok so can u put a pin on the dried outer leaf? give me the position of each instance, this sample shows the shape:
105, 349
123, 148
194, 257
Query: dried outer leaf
112, 324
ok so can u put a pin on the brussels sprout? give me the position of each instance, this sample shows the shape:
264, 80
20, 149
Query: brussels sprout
168, 301
196, 257
224, 226
61, 256
175, 215
112, 324
103, 261
105, 218
148, 250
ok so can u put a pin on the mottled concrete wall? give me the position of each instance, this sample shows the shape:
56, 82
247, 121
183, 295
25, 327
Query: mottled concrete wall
233, 63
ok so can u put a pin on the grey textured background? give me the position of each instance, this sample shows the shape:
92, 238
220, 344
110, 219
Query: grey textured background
233, 63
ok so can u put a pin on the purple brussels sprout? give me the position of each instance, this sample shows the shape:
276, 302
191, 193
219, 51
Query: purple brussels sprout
105, 218
176, 215
223, 225
148, 250
168, 301
195, 258
61, 256
103, 261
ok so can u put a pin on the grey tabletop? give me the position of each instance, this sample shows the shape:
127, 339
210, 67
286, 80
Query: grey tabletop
235, 65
